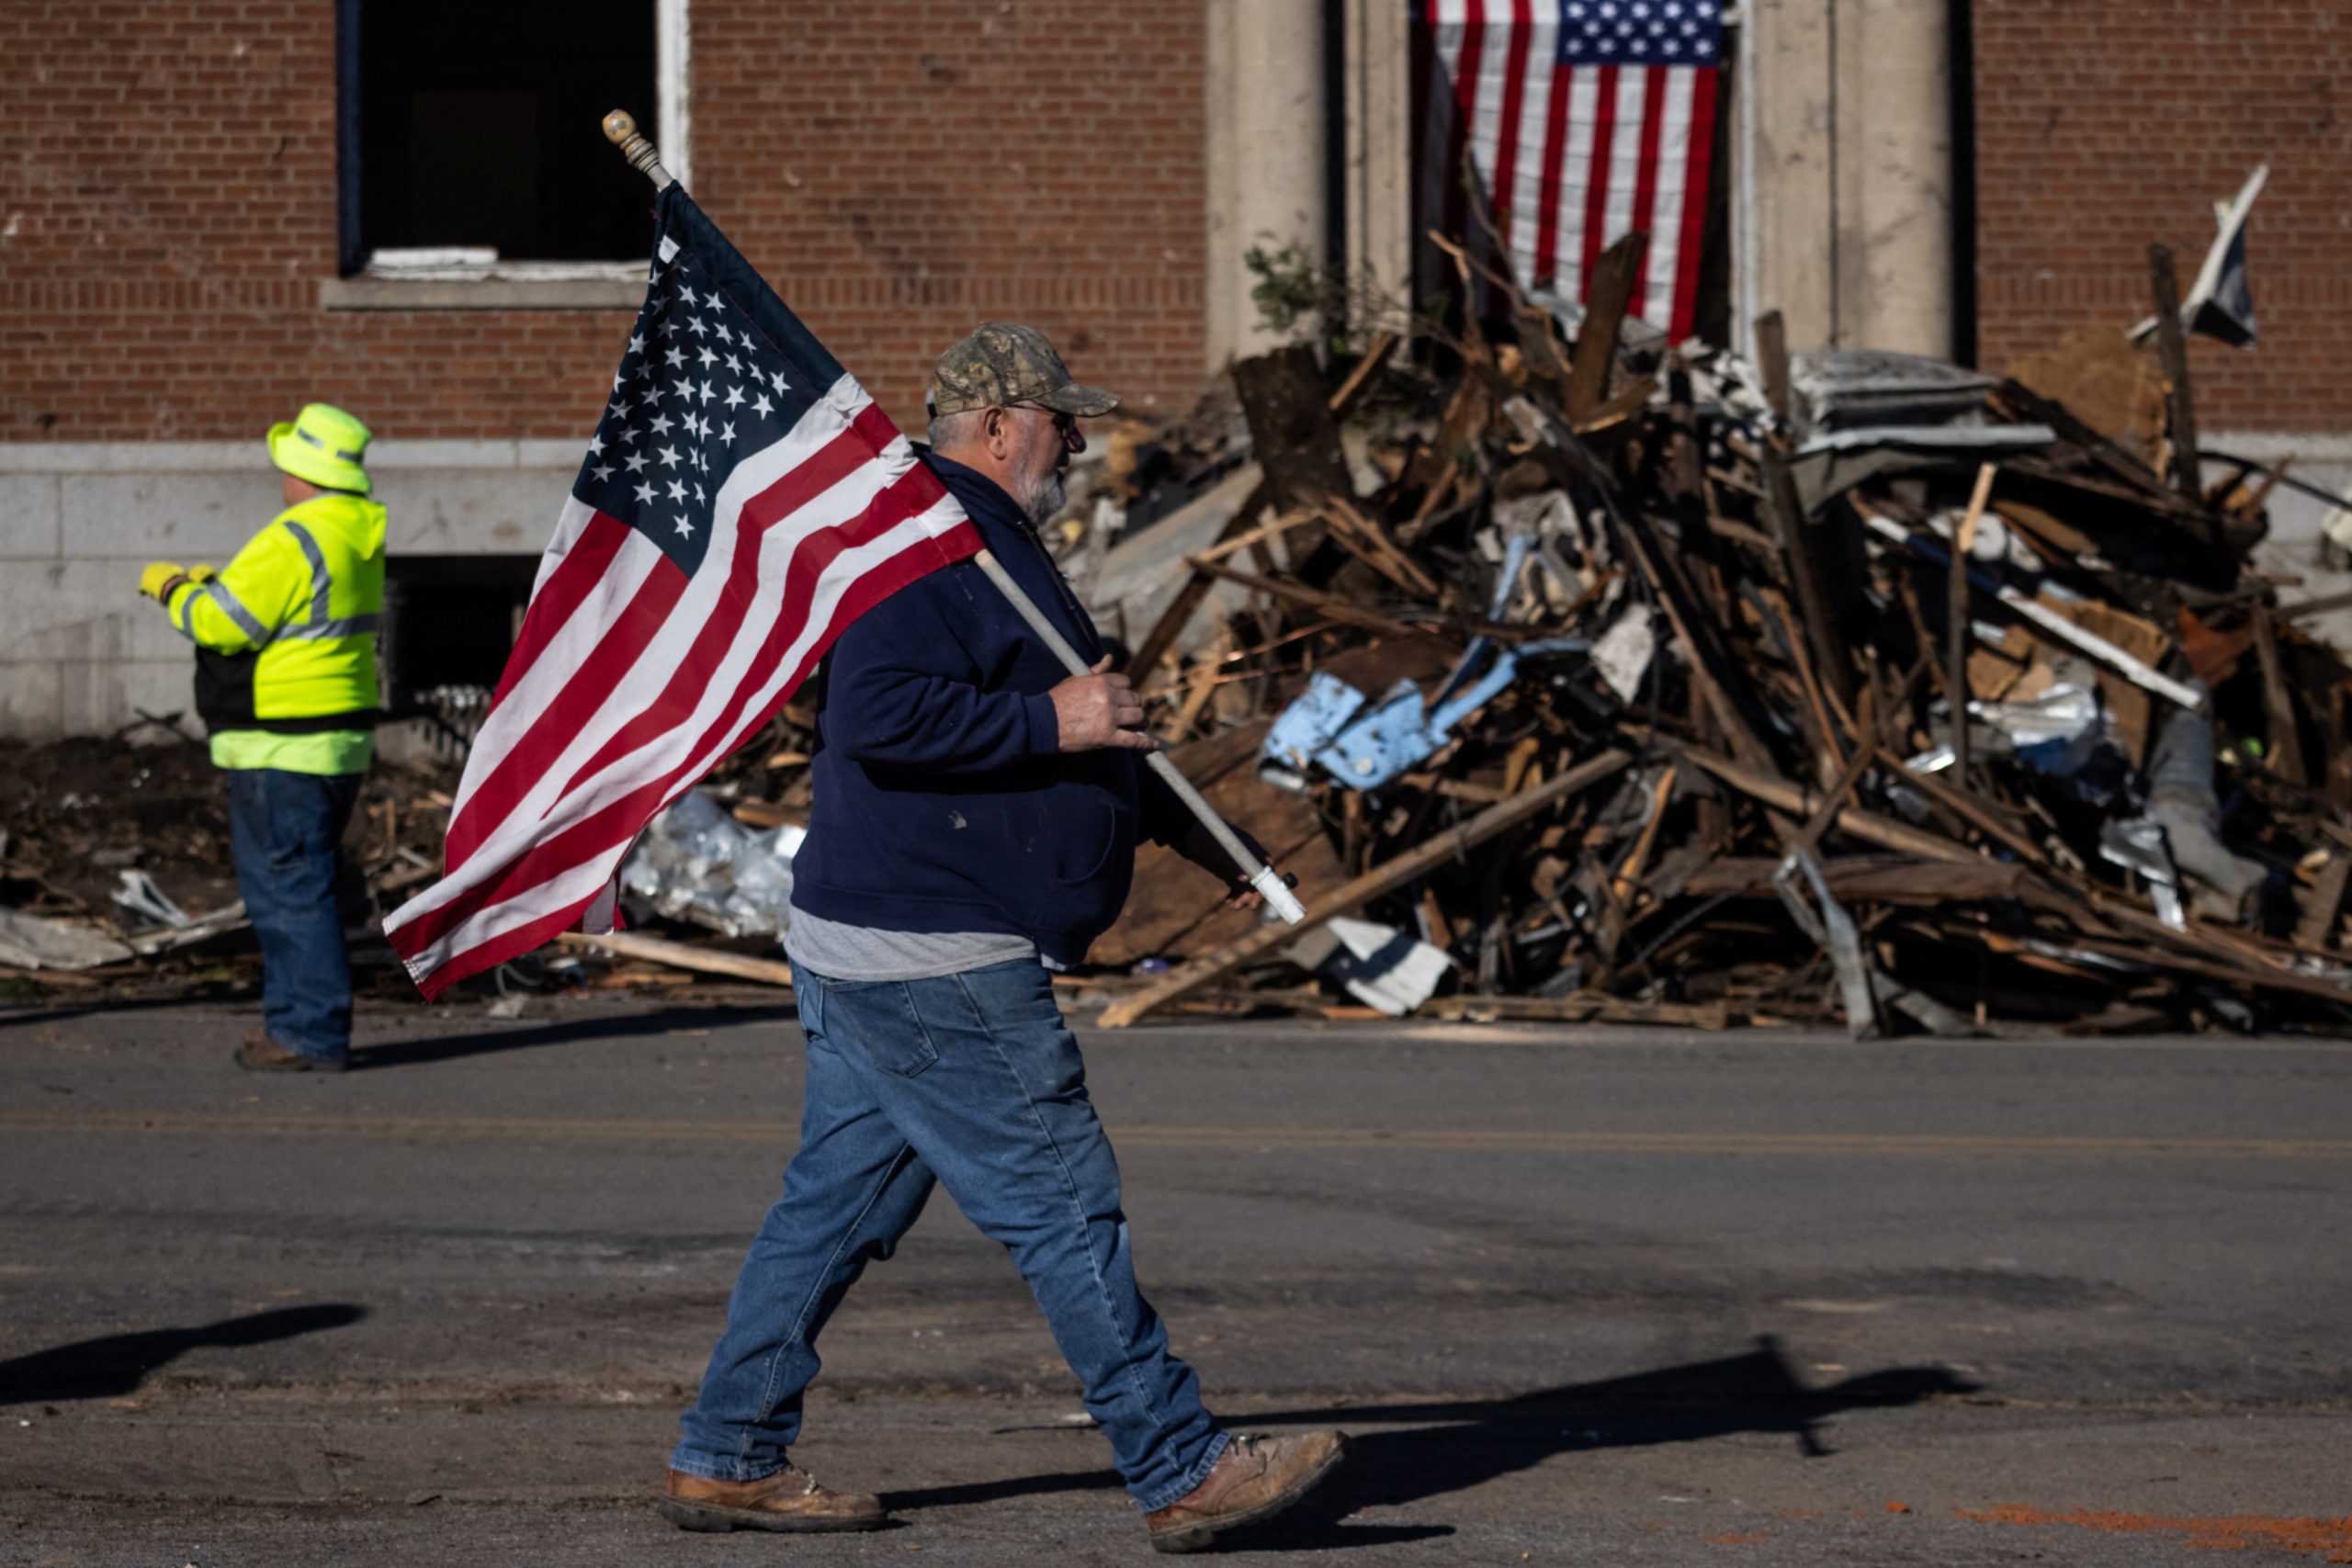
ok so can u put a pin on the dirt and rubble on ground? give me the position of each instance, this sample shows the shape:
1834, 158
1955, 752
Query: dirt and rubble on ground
116, 874
1575, 675
116, 879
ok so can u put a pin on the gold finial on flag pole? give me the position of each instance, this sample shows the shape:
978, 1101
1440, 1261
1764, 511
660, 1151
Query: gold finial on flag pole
620, 129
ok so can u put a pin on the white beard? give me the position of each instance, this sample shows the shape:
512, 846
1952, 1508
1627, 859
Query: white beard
1045, 501
1040, 499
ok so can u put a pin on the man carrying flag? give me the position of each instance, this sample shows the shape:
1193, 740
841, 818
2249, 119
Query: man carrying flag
744, 507
975, 822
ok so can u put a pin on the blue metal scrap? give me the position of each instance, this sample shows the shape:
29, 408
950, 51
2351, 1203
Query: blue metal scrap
1320, 727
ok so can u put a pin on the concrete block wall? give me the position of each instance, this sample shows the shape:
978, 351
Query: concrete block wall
81, 652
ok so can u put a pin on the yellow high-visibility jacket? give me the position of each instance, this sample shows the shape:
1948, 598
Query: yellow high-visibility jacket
285, 640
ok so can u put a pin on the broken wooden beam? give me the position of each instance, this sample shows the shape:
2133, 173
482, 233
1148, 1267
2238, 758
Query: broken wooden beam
1187, 603
681, 956
2180, 408
1387, 877
1329, 604
1956, 614
1367, 369
1782, 795
1614, 276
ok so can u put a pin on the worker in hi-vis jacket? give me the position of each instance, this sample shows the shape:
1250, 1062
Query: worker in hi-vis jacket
284, 639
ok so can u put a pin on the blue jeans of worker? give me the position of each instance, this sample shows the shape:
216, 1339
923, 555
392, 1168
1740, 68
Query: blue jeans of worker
283, 829
970, 1080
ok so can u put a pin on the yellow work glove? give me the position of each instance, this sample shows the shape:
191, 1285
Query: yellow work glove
202, 573
157, 579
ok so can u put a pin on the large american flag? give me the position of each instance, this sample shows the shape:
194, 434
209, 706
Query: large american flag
742, 501
1586, 119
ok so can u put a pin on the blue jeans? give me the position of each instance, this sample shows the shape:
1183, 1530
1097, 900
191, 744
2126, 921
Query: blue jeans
972, 1080
284, 829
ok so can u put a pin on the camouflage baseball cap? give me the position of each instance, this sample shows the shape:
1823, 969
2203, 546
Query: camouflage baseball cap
1003, 363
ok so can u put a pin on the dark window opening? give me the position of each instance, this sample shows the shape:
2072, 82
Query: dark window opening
449, 623
478, 125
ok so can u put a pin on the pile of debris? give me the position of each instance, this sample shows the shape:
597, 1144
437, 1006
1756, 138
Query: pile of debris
1578, 680
1580, 677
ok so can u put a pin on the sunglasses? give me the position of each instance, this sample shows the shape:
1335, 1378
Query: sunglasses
1065, 424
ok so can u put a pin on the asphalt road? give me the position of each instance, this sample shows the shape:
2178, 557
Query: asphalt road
1581, 1295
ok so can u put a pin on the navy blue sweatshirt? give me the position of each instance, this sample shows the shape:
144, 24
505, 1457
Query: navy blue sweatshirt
943, 803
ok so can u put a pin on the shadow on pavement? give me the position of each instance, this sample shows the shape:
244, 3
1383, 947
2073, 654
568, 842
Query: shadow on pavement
998, 1491
1470, 1442
1464, 1443
117, 1363
1329, 1532
568, 1032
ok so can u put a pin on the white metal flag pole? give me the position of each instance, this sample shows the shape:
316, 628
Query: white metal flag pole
621, 130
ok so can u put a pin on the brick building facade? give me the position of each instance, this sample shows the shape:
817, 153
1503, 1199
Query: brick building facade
171, 233
177, 250
898, 173
2102, 125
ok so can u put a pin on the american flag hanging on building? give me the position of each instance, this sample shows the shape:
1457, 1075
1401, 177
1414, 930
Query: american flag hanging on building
742, 501
1585, 119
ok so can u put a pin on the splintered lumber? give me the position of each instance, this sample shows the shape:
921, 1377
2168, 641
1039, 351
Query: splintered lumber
2257, 976
2311, 607
1187, 603
1861, 879
2286, 757
683, 955
1772, 362
2172, 348
1324, 604
1257, 536
1786, 512
1367, 370
1966, 804
1295, 438
2132, 668
1956, 613
1709, 666
1614, 276
1369, 544
1782, 795
1210, 967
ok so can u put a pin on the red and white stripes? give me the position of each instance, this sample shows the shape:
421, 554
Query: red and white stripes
1572, 157
630, 679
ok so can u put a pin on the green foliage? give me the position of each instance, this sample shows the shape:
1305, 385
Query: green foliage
1292, 290
1289, 285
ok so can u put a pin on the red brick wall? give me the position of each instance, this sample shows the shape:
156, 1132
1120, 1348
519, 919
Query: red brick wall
2102, 125
900, 169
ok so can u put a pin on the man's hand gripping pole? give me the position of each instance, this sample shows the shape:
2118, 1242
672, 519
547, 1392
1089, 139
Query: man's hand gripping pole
1259, 875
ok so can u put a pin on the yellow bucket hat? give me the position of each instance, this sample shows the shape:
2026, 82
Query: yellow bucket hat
325, 446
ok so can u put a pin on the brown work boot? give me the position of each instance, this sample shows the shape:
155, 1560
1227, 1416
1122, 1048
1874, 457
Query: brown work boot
789, 1500
1255, 1478
257, 1053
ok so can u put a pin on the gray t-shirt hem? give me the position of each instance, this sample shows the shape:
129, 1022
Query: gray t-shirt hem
839, 951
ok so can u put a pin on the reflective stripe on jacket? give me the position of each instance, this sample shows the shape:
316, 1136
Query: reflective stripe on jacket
286, 634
